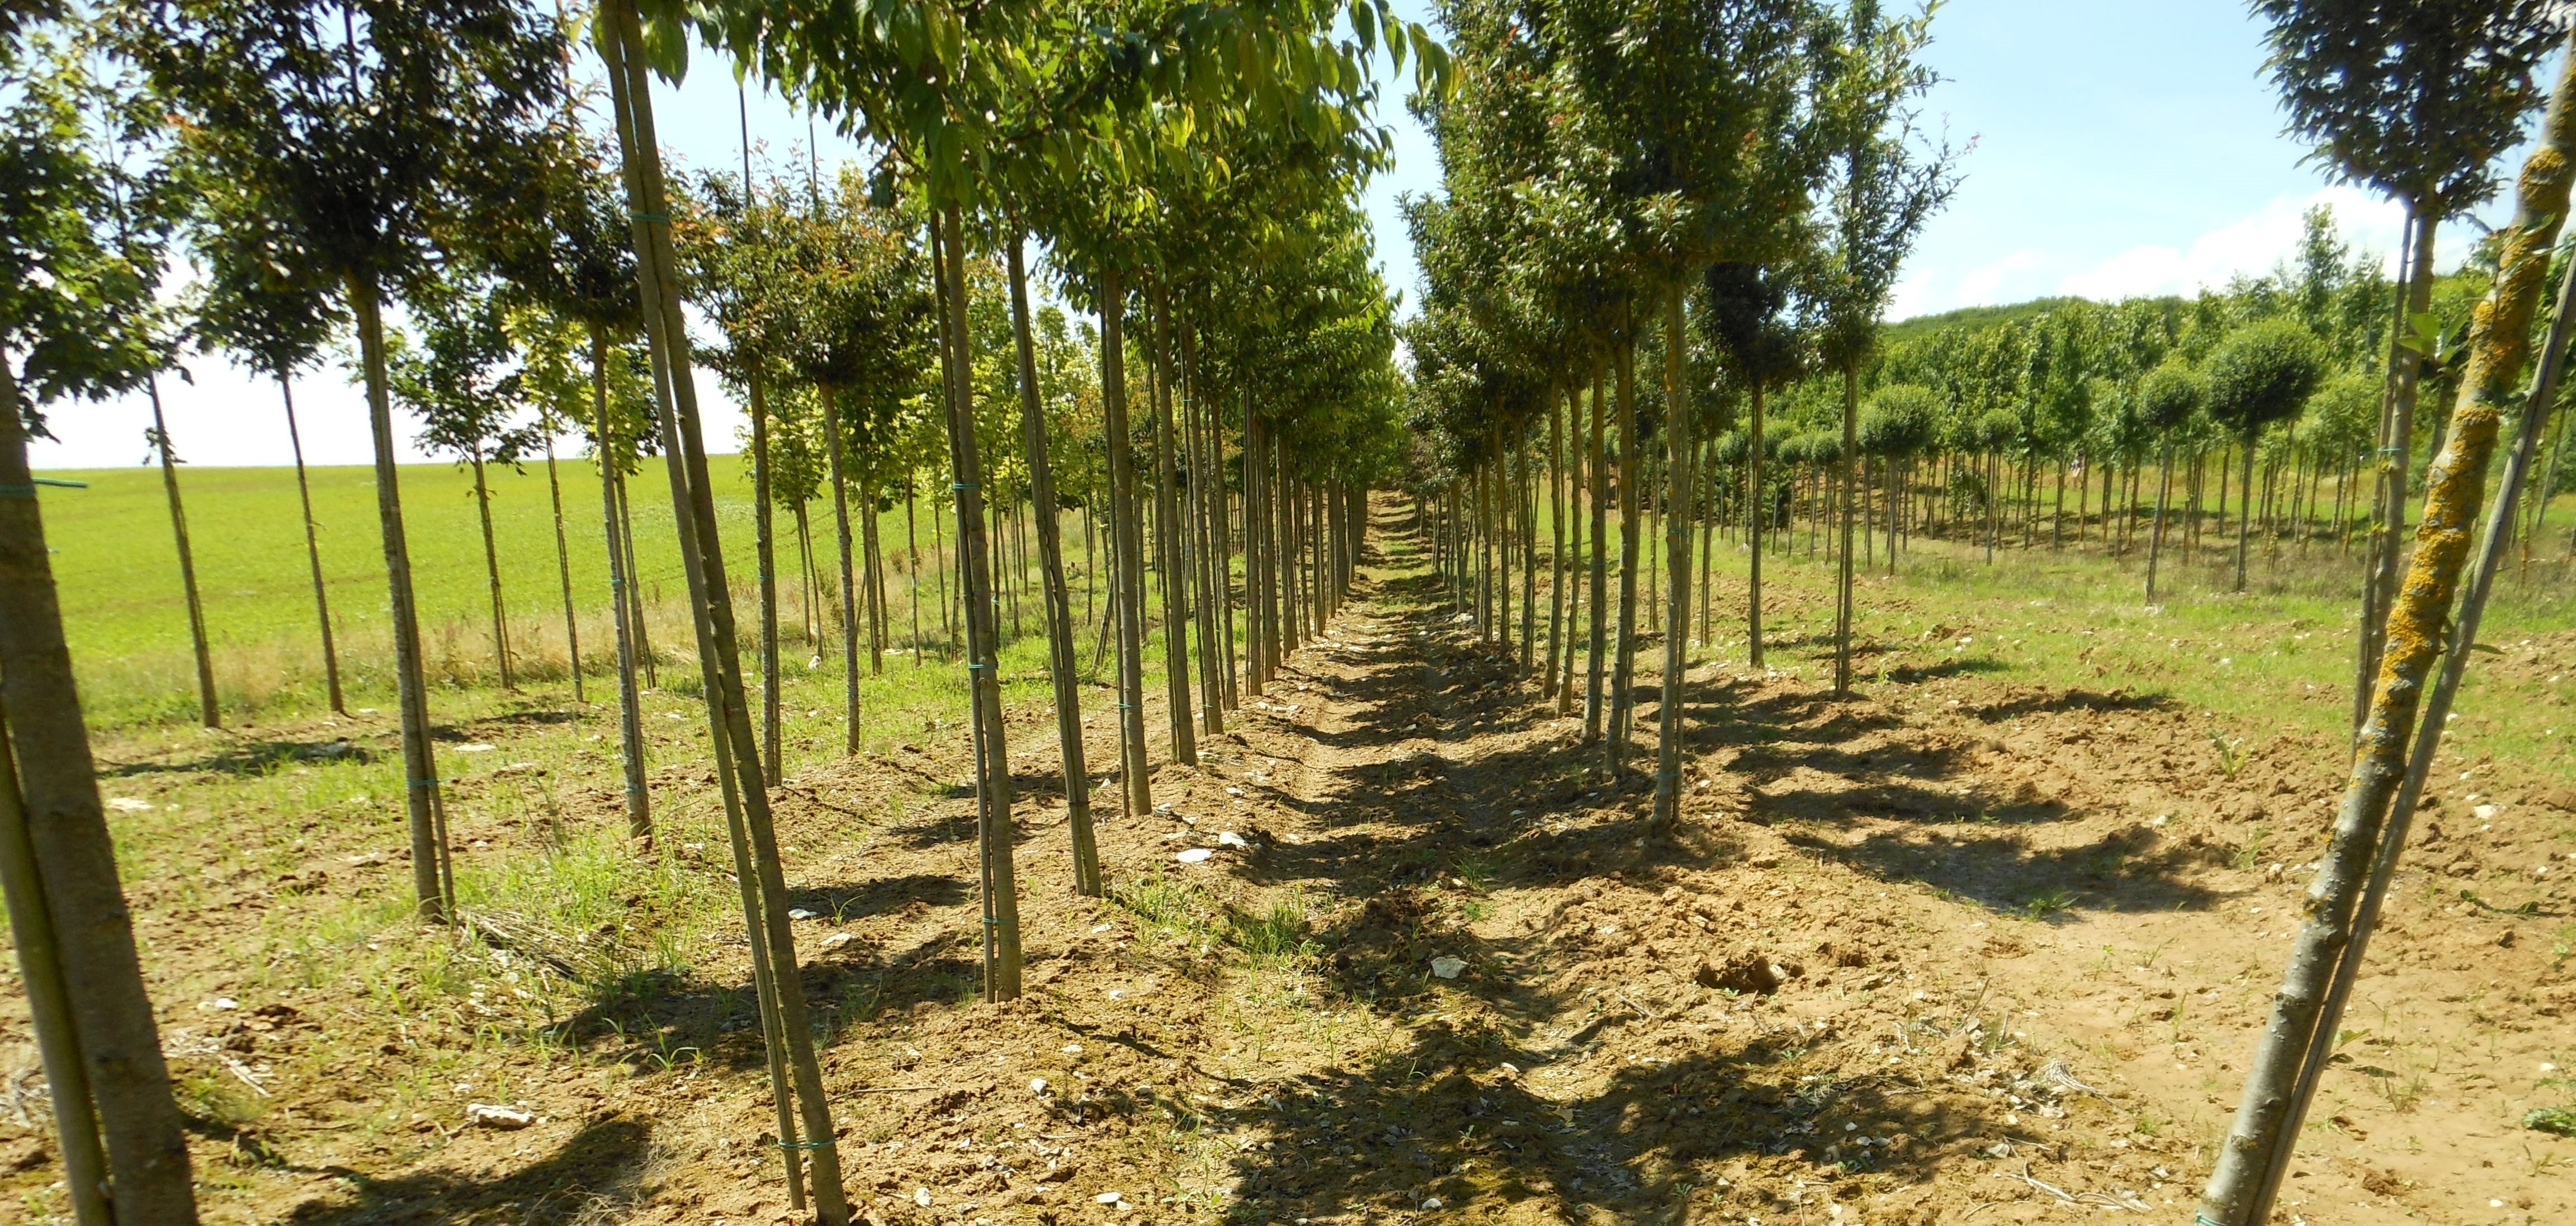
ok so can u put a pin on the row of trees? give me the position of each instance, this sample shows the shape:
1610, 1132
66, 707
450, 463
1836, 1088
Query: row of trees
1190, 171
1719, 196
1721, 192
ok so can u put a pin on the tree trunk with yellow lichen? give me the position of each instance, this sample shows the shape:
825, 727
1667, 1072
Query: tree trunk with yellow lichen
2258, 1147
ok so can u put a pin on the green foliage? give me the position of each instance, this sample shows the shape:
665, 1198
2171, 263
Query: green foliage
2169, 396
83, 229
1899, 421
2262, 374
2415, 98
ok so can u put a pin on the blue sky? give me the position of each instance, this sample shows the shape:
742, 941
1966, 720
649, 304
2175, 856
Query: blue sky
2119, 149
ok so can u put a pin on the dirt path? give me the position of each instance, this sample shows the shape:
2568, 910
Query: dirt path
1963, 949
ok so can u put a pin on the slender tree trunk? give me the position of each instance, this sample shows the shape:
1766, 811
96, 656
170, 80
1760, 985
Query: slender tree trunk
1843, 579
1170, 532
630, 719
2396, 450
563, 569
95, 1032
1597, 655
1671, 710
912, 565
762, 884
492, 569
839, 473
1059, 602
209, 711
1556, 554
2156, 540
1623, 688
1127, 549
764, 529
313, 553
873, 571
2259, 1146
634, 580
1757, 507
992, 747
431, 882
2245, 511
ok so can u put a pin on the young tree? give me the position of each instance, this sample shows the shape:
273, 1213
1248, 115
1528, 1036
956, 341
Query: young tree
2261, 374
78, 321
568, 264
2167, 399
2306, 1010
275, 315
1881, 187
356, 131
458, 376
620, 36
2415, 99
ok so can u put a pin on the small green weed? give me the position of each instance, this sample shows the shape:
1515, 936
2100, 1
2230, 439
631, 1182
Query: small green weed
1274, 936
2041, 906
2557, 1121
2231, 752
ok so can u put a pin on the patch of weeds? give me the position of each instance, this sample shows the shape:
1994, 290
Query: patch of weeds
1476, 872
1170, 909
1275, 936
2556, 1121
2249, 856
2148, 1126
2562, 946
2041, 906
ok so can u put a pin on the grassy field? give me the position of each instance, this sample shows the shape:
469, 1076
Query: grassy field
119, 578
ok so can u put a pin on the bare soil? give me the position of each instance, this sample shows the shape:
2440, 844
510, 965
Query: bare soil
1966, 947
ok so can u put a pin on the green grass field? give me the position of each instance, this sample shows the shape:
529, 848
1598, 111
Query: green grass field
118, 574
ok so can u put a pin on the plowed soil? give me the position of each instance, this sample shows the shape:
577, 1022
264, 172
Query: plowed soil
1967, 947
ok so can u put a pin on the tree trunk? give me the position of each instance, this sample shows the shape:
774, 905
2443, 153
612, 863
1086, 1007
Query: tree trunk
2396, 451
630, 718
1757, 510
992, 747
1171, 552
432, 884
1556, 553
492, 569
762, 884
313, 553
2156, 538
1670, 710
1126, 546
1597, 655
2245, 511
1843, 579
563, 569
1623, 694
839, 473
764, 531
2259, 1146
209, 712
67, 912
1059, 602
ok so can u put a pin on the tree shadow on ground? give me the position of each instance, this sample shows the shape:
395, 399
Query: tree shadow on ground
250, 759
600, 1167
1454, 1116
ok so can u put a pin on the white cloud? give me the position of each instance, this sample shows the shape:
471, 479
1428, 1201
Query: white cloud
2251, 245
1982, 283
